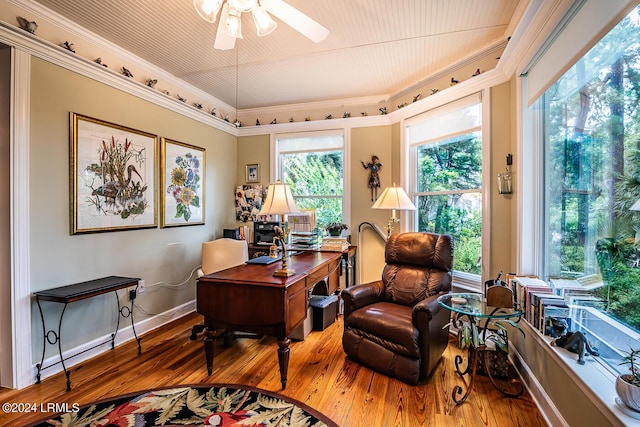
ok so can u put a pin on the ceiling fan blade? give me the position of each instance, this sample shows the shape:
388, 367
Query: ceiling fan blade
296, 19
224, 41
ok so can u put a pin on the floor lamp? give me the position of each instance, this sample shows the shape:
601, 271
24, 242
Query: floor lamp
279, 201
394, 198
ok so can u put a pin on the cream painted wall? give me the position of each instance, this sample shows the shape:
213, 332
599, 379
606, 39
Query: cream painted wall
365, 142
164, 258
503, 210
251, 150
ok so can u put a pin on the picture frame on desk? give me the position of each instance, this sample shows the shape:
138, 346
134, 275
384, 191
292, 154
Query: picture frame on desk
112, 175
183, 168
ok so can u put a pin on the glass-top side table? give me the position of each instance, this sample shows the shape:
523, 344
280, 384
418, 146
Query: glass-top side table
469, 311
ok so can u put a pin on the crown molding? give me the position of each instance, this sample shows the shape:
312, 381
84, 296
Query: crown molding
40, 48
491, 49
538, 26
316, 125
537, 22
324, 105
58, 22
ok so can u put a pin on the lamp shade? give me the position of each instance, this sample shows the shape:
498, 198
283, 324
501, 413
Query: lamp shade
264, 24
279, 200
394, 198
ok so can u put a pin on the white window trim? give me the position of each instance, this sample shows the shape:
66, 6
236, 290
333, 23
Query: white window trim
596, 379
407, 177
274, 167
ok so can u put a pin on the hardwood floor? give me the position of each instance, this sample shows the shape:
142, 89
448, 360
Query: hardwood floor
319, 375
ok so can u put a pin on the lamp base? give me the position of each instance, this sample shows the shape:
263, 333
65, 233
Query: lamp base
284, 272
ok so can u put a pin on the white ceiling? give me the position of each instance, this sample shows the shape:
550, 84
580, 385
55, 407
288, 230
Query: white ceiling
374, 48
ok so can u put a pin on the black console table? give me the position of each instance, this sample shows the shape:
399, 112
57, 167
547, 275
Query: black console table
76, 292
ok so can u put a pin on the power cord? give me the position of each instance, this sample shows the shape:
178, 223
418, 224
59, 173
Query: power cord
170, 286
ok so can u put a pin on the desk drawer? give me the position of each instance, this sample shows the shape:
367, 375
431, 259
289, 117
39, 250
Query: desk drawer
329, 273
318, 275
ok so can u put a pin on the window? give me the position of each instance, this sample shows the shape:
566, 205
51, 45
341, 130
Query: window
313, 165
591, 167
445, 147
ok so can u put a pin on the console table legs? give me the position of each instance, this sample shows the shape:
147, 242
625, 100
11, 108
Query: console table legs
55, 337
126, 311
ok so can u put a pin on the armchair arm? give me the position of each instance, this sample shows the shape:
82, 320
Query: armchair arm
361, 295
430, 318
428, 307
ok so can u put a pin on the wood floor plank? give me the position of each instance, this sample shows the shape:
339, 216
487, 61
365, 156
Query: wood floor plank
320, 375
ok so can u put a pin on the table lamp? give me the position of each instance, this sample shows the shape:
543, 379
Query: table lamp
394, 198
279, 201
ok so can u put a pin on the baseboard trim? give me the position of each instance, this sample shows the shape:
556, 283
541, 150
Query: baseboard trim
539, 396
102, 344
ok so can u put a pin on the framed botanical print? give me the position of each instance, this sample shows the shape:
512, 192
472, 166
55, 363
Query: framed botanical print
182, 183
253, 173
113, 176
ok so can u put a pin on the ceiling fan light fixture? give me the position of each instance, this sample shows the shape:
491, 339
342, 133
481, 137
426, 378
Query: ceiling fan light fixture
232, 23
208, 9
264, 23
243, 5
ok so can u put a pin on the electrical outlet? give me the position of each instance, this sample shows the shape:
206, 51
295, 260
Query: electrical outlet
141, 286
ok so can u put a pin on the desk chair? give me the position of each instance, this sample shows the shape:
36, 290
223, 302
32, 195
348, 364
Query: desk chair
219, 255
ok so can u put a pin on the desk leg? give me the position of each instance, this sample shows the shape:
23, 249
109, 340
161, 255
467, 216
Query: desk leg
283, 360
209, 338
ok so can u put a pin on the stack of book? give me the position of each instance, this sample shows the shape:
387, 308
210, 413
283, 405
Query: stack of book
522, 287
334, 244
540, 301
548, 306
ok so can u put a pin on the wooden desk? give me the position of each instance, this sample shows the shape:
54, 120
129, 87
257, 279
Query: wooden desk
249, 298
76, 292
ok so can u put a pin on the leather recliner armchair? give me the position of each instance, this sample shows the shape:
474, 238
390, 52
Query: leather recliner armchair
395, 325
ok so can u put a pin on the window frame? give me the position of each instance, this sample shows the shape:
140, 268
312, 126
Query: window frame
408, 153
598, 377
276, 166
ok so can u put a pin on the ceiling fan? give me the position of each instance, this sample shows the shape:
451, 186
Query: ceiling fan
230, 24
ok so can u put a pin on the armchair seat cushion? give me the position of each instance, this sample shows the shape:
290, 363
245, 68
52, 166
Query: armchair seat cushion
389, 325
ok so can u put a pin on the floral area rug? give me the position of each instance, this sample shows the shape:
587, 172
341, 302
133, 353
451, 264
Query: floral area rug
198, 405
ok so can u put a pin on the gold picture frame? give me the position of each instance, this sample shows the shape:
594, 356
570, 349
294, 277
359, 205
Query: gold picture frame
182, 183
252, 173
112, 176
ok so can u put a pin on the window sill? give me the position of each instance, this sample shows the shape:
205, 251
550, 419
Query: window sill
597, 382
466, 285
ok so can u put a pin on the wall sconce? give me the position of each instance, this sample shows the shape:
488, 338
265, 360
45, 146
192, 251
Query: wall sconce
505, 180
